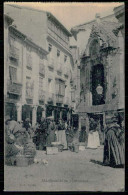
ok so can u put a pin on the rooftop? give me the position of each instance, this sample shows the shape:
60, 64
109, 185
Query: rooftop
48, 14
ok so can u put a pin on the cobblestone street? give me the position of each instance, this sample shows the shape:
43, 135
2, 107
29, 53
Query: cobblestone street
66, 171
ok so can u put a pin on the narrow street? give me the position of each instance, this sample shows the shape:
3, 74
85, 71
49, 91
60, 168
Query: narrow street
66, 171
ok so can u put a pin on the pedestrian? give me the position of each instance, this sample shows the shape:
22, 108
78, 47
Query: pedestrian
69, 135
42, 133
82, 134
51, 136
92, 142
61, 136
75, 142
114, 143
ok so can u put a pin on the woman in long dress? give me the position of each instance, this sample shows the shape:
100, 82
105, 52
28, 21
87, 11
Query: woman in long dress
61, 135
114, 143
93, 136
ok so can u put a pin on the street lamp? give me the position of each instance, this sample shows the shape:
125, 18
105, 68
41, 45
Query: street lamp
99, 89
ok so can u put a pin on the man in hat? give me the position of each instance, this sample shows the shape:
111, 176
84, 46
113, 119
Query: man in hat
113, 149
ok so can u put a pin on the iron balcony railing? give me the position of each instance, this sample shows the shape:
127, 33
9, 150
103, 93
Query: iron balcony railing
14, 87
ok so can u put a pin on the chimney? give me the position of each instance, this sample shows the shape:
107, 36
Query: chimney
97, 17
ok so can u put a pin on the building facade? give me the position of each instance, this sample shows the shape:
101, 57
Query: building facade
101, 73
39, 66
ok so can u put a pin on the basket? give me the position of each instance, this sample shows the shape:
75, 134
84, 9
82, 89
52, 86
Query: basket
60, 147
21, 161
76, 148
81, 148
51, 150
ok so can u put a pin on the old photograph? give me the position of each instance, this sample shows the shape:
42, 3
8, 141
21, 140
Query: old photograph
64, 108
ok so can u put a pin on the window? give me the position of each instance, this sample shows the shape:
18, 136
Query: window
29, 88
58, 53
65, 58
49, 47
29, 60
12, 73
50, 85
12, 41
60, 88
40, 83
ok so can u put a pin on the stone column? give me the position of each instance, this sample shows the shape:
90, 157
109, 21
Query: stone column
34, 115
53, 114
80, 123
87, 123
104, 123
44, 112
19, 111
61, 114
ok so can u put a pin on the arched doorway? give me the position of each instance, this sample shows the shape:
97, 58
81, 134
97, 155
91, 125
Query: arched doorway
98, 79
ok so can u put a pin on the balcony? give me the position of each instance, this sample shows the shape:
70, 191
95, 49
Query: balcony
42, 69
14, 52
51, 97
51, 63
14, 88
41, 95
59, 99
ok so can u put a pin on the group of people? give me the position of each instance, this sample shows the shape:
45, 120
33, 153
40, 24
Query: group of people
44, 133
47, 131
18, 141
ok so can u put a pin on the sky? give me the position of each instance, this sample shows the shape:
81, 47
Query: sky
72, 14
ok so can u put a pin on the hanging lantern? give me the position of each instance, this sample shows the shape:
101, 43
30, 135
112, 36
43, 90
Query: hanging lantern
99, 89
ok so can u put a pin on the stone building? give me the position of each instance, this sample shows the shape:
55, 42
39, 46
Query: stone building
45, 65
22, 90
101, 70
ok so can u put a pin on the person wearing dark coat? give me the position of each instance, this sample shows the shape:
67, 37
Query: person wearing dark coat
42, 133
114, 144
51, 136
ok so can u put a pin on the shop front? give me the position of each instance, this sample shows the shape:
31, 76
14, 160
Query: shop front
10, 110
27, 112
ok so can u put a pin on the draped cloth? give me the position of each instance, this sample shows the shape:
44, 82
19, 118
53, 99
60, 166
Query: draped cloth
61, 137
93, 140
114, 146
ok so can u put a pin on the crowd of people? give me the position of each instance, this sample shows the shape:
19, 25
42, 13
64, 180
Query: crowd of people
18, 135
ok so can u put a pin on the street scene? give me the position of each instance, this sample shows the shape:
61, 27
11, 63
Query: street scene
64, 97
